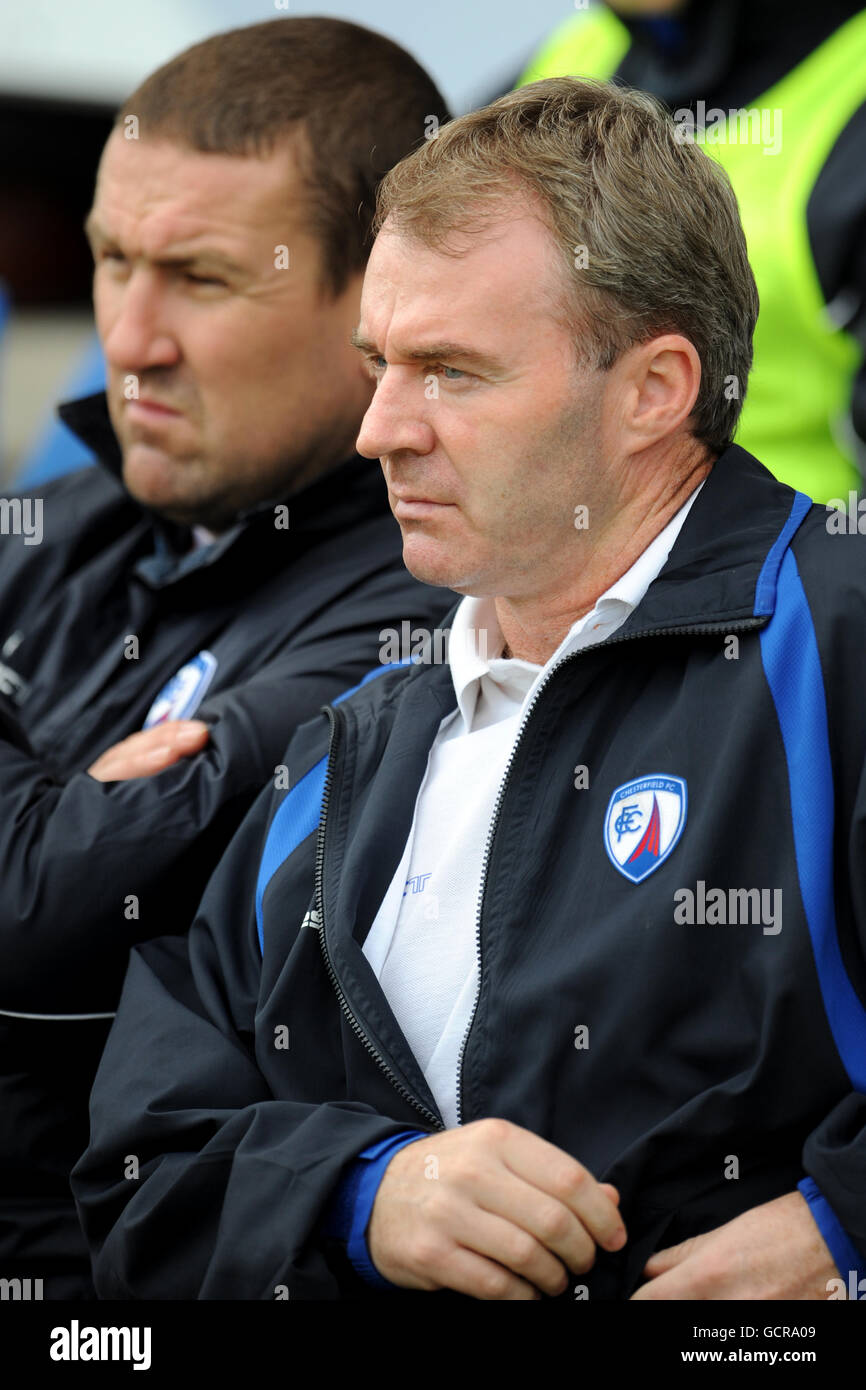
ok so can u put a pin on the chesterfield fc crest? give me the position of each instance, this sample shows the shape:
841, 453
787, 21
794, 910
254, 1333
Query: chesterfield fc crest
644, 821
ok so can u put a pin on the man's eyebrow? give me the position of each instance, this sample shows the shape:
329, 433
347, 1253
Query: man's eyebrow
206, 257
361, 343
433, 352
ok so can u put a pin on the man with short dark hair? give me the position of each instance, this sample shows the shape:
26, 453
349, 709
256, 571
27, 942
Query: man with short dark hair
546, 976
229, 567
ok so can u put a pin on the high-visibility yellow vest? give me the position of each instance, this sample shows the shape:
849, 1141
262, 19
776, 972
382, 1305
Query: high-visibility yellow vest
796, 416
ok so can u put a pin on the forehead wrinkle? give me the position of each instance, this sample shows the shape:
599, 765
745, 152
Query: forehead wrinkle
425, 352
163, 236
487, 288
171, 212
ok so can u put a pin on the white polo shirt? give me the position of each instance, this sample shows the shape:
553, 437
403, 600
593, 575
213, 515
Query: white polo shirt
422, 944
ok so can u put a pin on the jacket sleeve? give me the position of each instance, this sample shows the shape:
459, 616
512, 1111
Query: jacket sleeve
90, 868
197, 1182
834, 1154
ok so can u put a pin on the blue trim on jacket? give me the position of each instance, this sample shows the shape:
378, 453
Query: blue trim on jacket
298, 814
838, 1242
296, 818
792, 665
765, 589
352, 1204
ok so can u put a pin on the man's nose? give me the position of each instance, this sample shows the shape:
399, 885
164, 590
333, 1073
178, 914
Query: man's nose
136, 331
396, 418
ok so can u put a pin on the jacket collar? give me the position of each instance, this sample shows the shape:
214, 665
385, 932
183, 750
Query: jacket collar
351, 492
722, 567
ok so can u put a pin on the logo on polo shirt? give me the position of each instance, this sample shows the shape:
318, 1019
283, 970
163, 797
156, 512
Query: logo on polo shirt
417, 883
644, 821
182, 695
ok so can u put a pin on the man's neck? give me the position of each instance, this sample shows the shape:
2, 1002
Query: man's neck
534, 626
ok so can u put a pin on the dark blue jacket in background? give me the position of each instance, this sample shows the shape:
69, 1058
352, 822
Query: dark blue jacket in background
292, 616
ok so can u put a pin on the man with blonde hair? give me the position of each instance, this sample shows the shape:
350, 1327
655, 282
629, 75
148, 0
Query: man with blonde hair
546, 977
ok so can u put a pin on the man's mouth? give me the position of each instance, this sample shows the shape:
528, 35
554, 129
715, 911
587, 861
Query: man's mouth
417, 508
147, 407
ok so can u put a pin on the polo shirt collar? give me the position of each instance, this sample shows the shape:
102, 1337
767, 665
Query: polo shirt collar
476, 641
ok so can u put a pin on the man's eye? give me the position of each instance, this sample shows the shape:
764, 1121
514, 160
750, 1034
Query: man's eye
203, 279
457, 374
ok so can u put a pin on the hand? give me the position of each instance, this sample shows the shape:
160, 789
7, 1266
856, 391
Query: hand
150, 751
772, 1251
501, 1214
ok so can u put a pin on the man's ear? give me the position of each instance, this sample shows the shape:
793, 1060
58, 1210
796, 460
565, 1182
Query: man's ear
658, 387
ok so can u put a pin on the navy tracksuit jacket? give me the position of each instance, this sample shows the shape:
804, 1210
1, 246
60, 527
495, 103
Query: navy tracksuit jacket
721, 1060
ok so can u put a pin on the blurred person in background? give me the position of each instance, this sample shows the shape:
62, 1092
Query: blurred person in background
798, 168
230, 557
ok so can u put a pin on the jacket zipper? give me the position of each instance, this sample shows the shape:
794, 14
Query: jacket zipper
745, 624
332, 974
